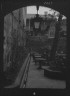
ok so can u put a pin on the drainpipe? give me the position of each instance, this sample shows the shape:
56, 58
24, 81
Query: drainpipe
18, 27
12, 20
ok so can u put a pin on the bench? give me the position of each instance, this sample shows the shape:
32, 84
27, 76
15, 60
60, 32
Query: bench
41, 61
38, 58
35, 56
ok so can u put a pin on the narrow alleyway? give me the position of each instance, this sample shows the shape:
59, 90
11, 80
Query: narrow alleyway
36, 79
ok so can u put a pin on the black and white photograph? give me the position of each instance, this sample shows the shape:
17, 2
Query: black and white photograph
34, 44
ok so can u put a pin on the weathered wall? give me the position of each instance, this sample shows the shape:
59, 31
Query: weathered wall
14, 37
8, 39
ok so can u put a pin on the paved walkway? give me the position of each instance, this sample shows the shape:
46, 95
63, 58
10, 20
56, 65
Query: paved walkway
36, 79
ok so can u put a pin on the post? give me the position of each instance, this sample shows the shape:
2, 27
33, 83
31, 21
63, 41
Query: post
37, 8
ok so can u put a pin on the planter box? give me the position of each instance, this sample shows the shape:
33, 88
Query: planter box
53, 74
